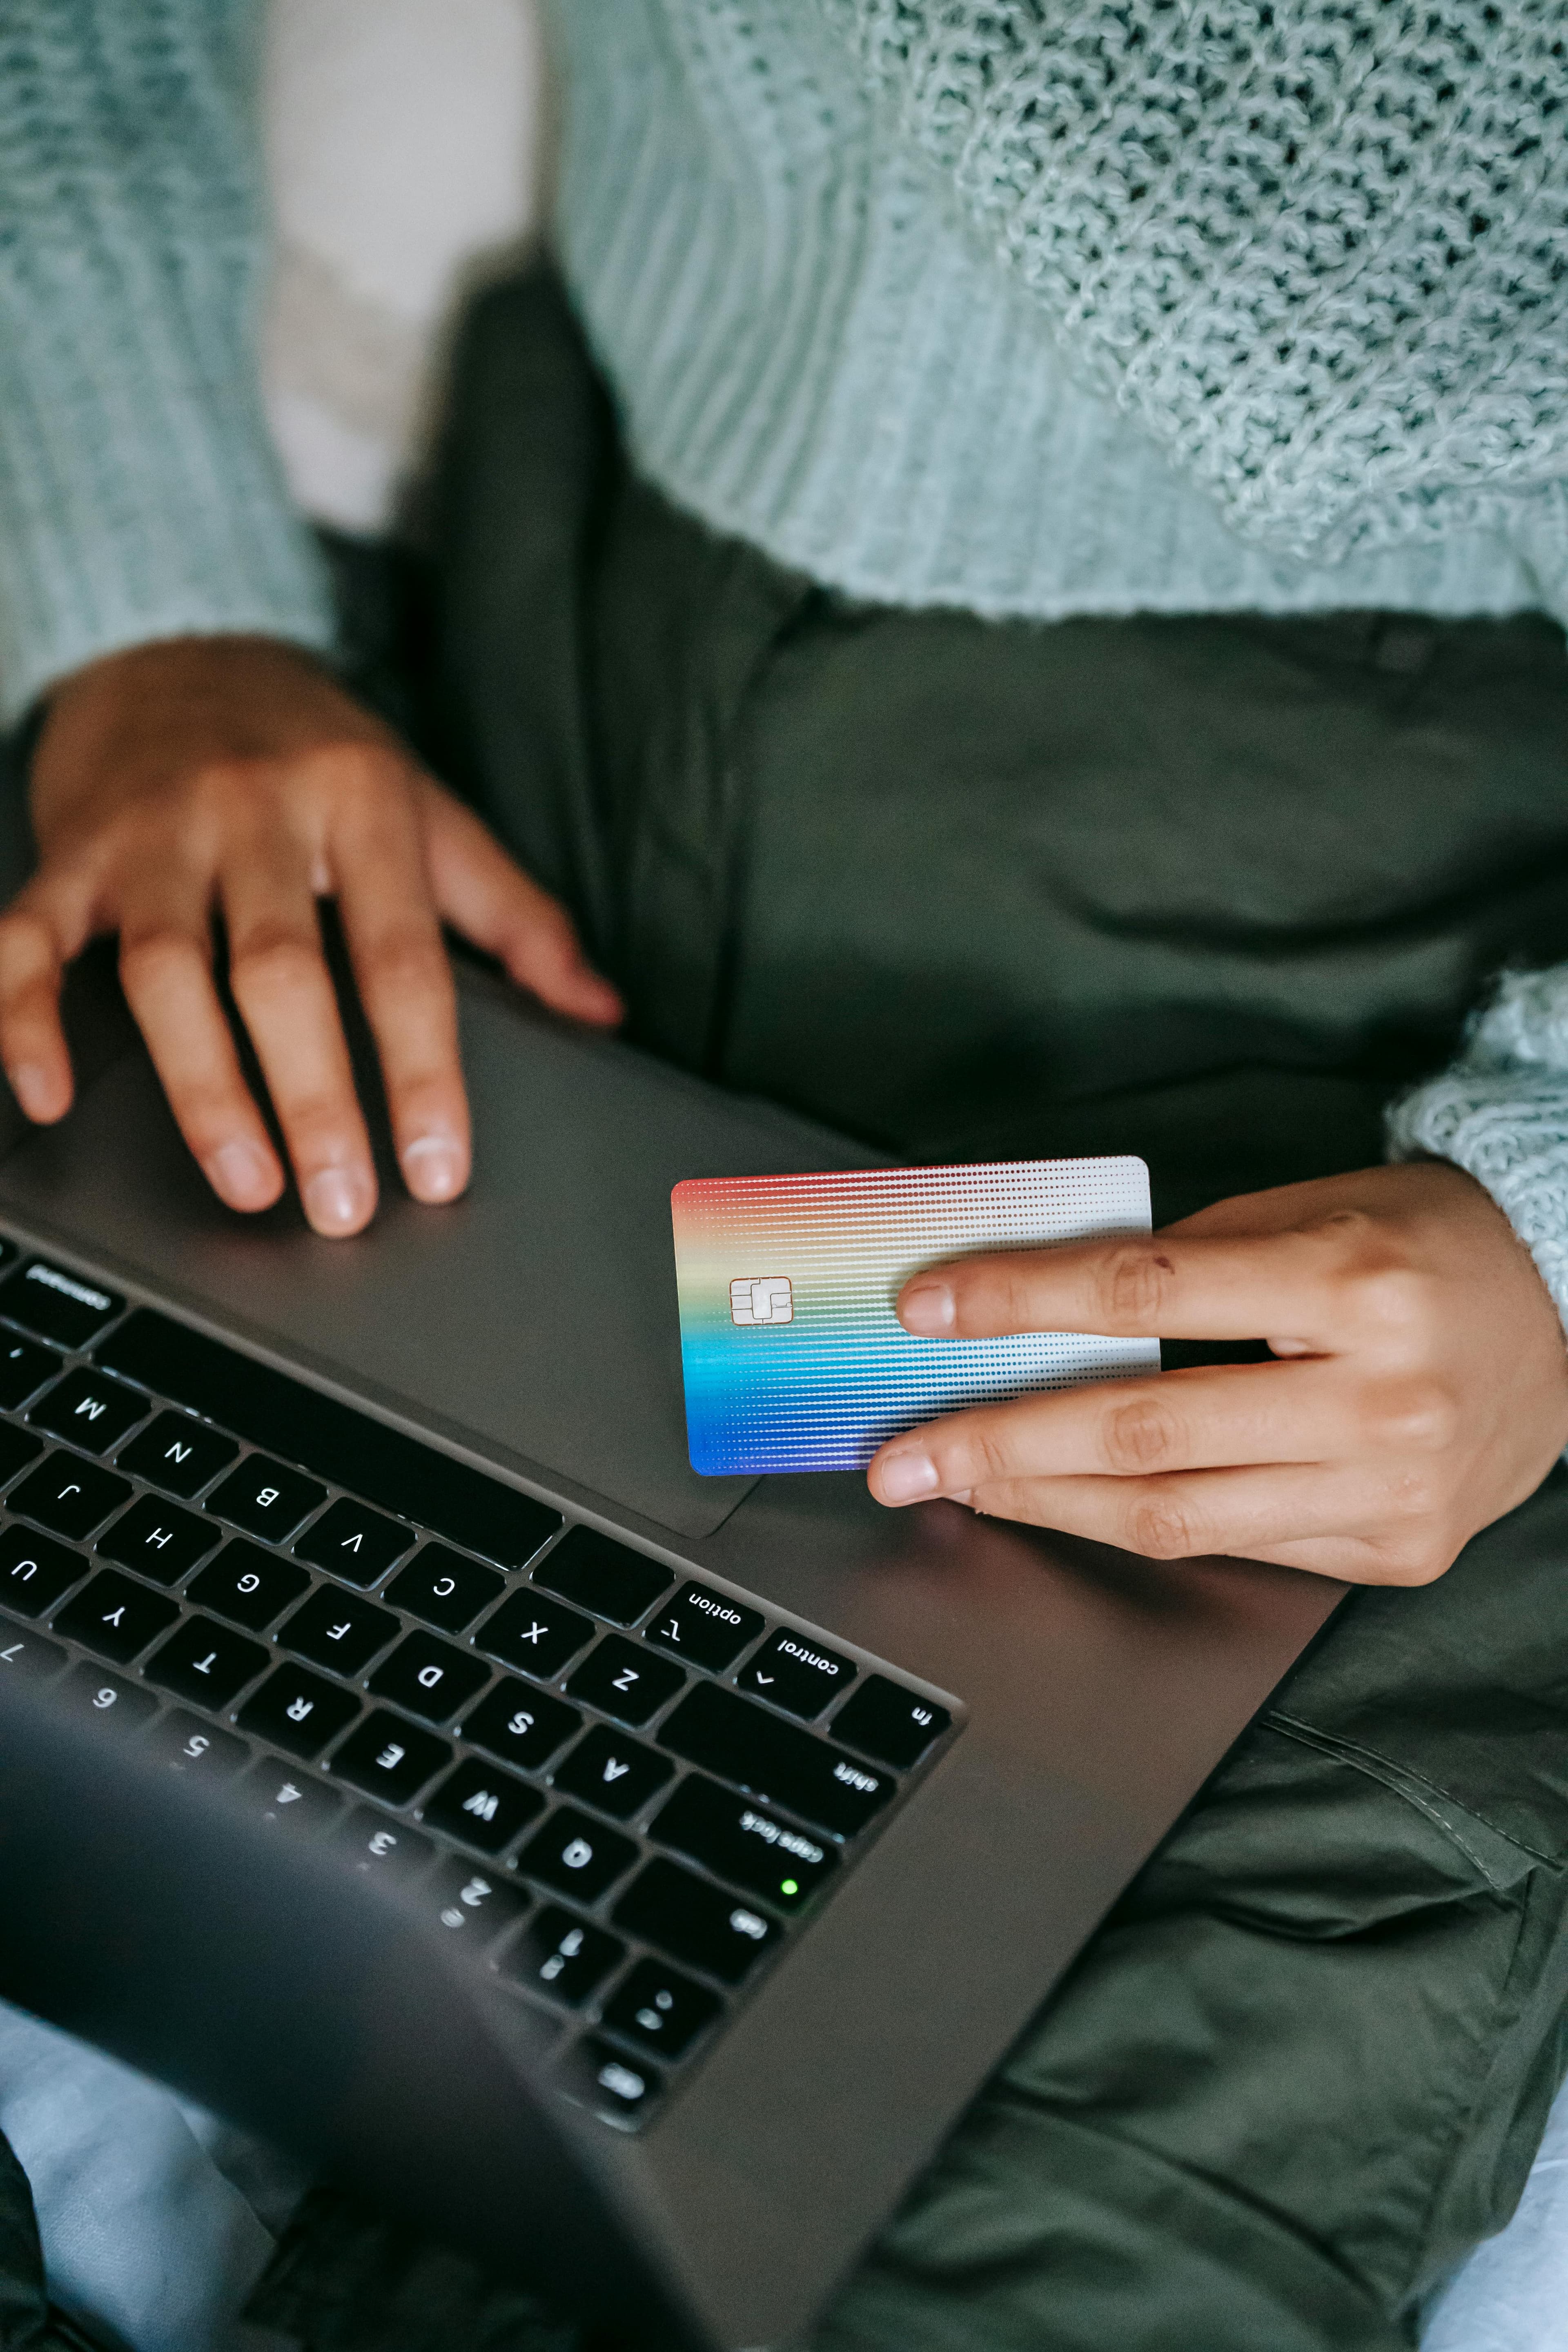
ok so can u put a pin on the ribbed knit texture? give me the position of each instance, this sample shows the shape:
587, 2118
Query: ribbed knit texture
140, 495
1501, 1113
1018, 305
911, 295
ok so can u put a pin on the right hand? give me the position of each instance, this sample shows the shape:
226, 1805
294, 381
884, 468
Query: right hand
234, 776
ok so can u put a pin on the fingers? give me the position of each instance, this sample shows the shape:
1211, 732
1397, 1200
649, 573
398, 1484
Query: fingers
1203, 1419
285, 997
165, 970
1163, 1285
481, 893
1240, 1513
406, 986
33, 952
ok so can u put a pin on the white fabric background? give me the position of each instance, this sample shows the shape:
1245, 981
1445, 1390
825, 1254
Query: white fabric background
407, 141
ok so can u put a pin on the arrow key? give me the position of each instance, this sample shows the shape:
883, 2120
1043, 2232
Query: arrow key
613, 1773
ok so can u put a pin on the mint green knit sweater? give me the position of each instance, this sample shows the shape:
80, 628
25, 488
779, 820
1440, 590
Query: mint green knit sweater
1036, 306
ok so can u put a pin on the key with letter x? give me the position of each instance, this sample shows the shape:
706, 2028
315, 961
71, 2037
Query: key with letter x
537, 1635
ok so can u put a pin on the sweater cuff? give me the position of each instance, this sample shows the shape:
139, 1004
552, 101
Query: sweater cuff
1501, 1112
140, 497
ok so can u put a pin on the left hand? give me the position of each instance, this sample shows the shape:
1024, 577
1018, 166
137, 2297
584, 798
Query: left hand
1419, 1391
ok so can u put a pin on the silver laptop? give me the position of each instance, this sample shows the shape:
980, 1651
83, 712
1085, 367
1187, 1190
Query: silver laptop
765, 1819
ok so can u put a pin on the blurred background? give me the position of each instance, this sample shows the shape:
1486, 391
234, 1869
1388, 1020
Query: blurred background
408, 145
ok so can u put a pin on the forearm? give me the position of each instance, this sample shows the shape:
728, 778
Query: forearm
140, 495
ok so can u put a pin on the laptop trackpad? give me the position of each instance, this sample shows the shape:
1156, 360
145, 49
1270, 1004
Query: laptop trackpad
537, 1316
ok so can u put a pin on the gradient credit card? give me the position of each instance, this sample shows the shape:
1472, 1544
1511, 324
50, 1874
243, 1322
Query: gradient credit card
792, 1356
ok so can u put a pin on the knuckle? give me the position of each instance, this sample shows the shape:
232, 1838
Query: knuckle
1392, 1302
981, 1458
1159, 1528
1420, 1418
405, 962
1134, 1283
1140, 1434
151, 960
360, 774
270, 963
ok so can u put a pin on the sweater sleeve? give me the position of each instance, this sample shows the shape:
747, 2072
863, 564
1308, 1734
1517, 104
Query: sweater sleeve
1316, 249
1501, 1112
139, 493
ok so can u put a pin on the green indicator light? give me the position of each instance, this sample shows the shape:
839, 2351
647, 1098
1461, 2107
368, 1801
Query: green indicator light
789, 1886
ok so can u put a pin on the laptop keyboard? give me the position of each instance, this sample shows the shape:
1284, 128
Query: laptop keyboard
631, 1786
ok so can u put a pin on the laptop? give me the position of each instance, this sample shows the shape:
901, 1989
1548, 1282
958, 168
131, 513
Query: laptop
709, 1840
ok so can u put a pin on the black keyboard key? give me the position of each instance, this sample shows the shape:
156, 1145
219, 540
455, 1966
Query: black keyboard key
429, 1678
17, 1448
338, 1630
29, 1656
117, 1701
188, 1745
705, 1627
625, 1679
446, 1590
475, 1902
115, 1616
523, 1725
796, 1672
178, 1455
90, 1409
297, 1711
535, 1633
386, 1850
577, 1857
281, 1800
388, 1758
563, 1957
249, 1584
388, 1468
737, 1741
604, 1576
158, 1540
69, 1496
662, 2011
204, 1663
738, 1840
694, 1922
34, 1571
894, 1725
58, 1306
483, 1806
24, 1367
266, 1499
354, 1542
616, 1774
601, 2077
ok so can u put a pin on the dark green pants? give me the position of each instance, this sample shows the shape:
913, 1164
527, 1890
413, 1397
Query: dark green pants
1208, 890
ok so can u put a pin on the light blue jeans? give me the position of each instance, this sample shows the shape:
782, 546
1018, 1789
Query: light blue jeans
157, 2219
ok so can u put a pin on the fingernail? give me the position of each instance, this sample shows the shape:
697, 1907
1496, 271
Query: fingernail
30, 1084
243, 1175
927, 1309
336, 1200
904, 1477
433, 1167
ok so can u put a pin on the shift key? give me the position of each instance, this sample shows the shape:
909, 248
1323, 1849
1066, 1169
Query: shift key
738, 1742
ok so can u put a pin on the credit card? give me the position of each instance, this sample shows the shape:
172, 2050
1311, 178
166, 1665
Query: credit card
792, 1356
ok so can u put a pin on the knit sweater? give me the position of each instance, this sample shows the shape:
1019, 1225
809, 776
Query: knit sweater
1035, 309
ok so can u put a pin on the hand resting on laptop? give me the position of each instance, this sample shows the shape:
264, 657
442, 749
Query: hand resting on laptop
1419, 1391
234, 777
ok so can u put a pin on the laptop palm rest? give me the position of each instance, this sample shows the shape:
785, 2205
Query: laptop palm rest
537, 1316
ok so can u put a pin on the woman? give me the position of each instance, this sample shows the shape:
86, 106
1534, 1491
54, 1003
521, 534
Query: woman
1052, 643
